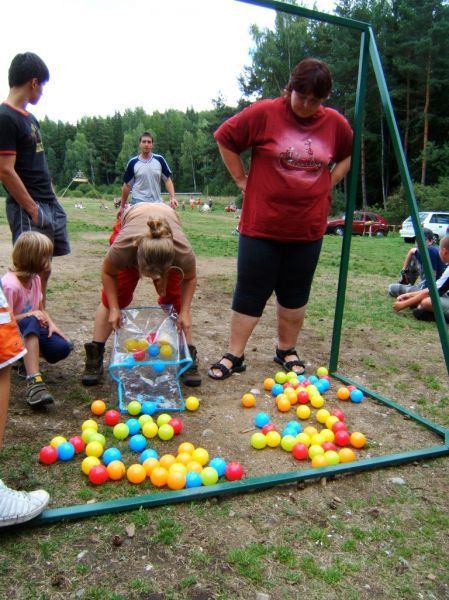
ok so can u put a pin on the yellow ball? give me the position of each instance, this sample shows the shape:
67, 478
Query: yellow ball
166, 351
192, 403
303, 411
94, 449
184, 457
317, 439
131, 344
200, 455
331, 420
87, 435
322, 415
328, 435
57, 441
88, 463
178, 468
89, 424
163, 419
273, 439
317, 401
321, 371
315, 450
195, 466
186, 447
302, 438
310, 430
142, 344
150, 429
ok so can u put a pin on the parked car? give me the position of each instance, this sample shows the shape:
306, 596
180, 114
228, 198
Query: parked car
437, 221
365, 222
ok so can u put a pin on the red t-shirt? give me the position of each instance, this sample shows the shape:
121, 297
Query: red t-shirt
288, 193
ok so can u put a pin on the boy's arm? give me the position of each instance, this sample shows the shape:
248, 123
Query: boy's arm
15, 186
410, 299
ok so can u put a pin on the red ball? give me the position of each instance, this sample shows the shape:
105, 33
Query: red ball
300, 451
111, 417
98, 474
48, 455
328, 446
234, 471
339, 426
342, 438
139, 354
77, 443
287, 384
351, 388
268, 427
306, 382
176, 424
338, 413
303, 397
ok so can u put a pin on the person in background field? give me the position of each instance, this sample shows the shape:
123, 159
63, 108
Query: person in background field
31, 204
147, 241
15, 507
143, 176
421, 298
22, 287
300, 150
413, 267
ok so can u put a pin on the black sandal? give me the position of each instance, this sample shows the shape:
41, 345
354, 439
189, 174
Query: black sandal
288, 365
237, 366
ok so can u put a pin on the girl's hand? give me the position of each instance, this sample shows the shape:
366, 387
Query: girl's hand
53, 329
115, 318
40, 316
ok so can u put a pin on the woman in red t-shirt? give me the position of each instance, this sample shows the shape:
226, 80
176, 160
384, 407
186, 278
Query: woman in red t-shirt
299, 151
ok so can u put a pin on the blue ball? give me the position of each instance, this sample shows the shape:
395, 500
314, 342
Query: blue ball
137, 442
66, 451
193, 479
149, 408
148, 453
277, 389
111, 454
356, 396
302, 377
289, 431
261, 419
219, 464
133, 426
322, 385
153, 350
158, 366
295, 425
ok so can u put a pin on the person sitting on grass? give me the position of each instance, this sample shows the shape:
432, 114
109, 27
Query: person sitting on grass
31, 255
412, 268
421, 300
15, 507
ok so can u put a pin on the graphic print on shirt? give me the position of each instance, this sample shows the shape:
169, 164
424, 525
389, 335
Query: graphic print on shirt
293, 160
36, 137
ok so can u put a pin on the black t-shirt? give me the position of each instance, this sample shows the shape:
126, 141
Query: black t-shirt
20, 136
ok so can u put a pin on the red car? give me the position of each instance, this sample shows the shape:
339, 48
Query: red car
365, 222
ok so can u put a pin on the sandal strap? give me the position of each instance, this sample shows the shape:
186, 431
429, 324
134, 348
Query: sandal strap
283, 353
236, 361
221, 367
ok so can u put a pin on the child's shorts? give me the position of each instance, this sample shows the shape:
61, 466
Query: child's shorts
11, 343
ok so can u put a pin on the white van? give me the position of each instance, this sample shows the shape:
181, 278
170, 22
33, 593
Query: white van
437, 221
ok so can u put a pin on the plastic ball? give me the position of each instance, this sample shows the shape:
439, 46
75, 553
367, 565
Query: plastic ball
317, 401
300, 451
268, 383
116, 470
287, 442
167, 460
327, 434
321, 415
322, 371
192, 403
111, 455
219, 464
277, 389
193, 479
89, 424
314, 450
356, 396
130, 344
273, 439
268, 427
303, 411
310, 430
48, 455
186, 447
323, 385
346, 455
319, 460
248, 400
343, 393
291, 395
163, 418
77, 443
133, 426
149, 464
142, 344
209, 476
98, 407
183, 457
280, 377
336, 412
120, 431
200, 455
136, 473
176, 480
98, 437
194, 465
158, 476
166, 350
303, 397
88, 463
87, 435
98, 474
234, 471
134, 408
137, 443
178, 467
66, 451
288, 430
150, 429
258, 440
356, 439
329, 446
57, 441
158, 367
94, 449
148, 407
291, 375
148, 453
261, 419
332, 457
139, 355
339, 426
176, 424
166, 432
295, 425
303, 438
145, 419
317, 439
342, 438
153, 350
111, 417
283, 403
330, 421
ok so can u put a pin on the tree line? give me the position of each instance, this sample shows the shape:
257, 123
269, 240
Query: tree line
413, 41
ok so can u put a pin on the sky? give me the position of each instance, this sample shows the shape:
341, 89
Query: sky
111, 55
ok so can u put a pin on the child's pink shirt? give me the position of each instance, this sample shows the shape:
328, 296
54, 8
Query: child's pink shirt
22, 299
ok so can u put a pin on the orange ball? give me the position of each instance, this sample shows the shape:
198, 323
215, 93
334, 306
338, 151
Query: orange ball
159, 476
136, 473
268, 383
194, 465
319, 461
283, 403
149, 464
98, 407
184, 458
116, 470
167, 460
248, 400
346, 455
357, 439
343, 393
176, 480
291, 395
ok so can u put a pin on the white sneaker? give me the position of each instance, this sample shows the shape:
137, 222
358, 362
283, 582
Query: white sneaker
18, 507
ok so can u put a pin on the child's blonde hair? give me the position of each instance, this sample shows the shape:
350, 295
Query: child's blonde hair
155, 249
31, 254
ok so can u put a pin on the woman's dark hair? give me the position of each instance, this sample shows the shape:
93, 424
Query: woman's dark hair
25, 67
310, 76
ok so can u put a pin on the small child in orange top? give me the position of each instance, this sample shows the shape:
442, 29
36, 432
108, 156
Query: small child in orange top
31, 255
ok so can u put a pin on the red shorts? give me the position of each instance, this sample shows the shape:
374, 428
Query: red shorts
127, 280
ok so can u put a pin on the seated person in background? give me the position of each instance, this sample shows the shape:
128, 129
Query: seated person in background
31, 255
413, 266
421, 299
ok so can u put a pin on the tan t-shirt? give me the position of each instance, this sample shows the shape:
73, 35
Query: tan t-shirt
122, 254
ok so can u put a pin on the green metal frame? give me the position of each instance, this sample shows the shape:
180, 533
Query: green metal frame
368, 49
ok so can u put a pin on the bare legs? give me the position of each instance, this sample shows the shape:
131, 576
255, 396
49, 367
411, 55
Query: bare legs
102, 327
31, 358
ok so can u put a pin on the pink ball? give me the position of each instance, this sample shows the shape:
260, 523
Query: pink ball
48, 455
98, 475
234, 471
111, 417
328, 446
77, 443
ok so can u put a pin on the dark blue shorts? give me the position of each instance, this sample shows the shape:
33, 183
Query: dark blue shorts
54, 348
266, 266
52, 223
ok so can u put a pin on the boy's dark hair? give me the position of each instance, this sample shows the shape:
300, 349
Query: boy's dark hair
146, 134
25, 67
428, 234
311, 76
